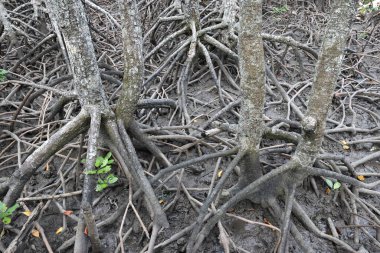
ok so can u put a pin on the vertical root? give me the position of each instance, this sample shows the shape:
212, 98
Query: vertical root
286, 219
120, 138
89, 181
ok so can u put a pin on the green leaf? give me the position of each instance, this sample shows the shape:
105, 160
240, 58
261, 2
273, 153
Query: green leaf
110, 161
111, 179
90, 172
3, 207
3, 72
83, 161
98, 188
6, 220
329, 183
12, 209
101, 187
337, 185
108, 156
104, 163
99, 161
104, 170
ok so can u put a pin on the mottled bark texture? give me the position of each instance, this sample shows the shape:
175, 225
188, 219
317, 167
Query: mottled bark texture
230, 10
284, 179
134, 61
191, 10
89, 180
72, 26
6, 25
252, 83
127, 103
314, 122
71, 19
327, 72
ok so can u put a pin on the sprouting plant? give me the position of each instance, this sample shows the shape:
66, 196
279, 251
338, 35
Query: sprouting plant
103, 167
104, 183
6, 213
281, 10
3, 73
333, 184
363, 35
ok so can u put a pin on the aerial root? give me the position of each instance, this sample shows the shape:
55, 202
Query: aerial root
88, 187
277, 213
283, 248
64, 135
300, 213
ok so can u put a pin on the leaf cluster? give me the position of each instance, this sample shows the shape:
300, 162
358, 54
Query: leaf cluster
6, 213
3, 73
333, 185
280, 10
103, 167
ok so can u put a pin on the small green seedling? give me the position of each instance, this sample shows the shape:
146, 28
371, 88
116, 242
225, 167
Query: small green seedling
104, 183
363, 35
333, 185
103, 165
6, 213
3, 73
280, 10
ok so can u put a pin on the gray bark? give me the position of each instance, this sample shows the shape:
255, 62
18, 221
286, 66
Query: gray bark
71, 19
290, 175
252, 71
134, 61
6, 24
327, 72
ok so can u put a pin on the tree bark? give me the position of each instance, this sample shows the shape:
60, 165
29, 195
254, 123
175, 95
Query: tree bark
72, 21
252, 71
70, 16
327, 72
134, 61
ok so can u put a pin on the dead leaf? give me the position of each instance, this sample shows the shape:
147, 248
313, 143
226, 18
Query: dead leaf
68, 212
35, 233
85, 231
345, 145
266, 221
59, 230
161, 201
220, 172
327, 191
27, 213
361, 178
